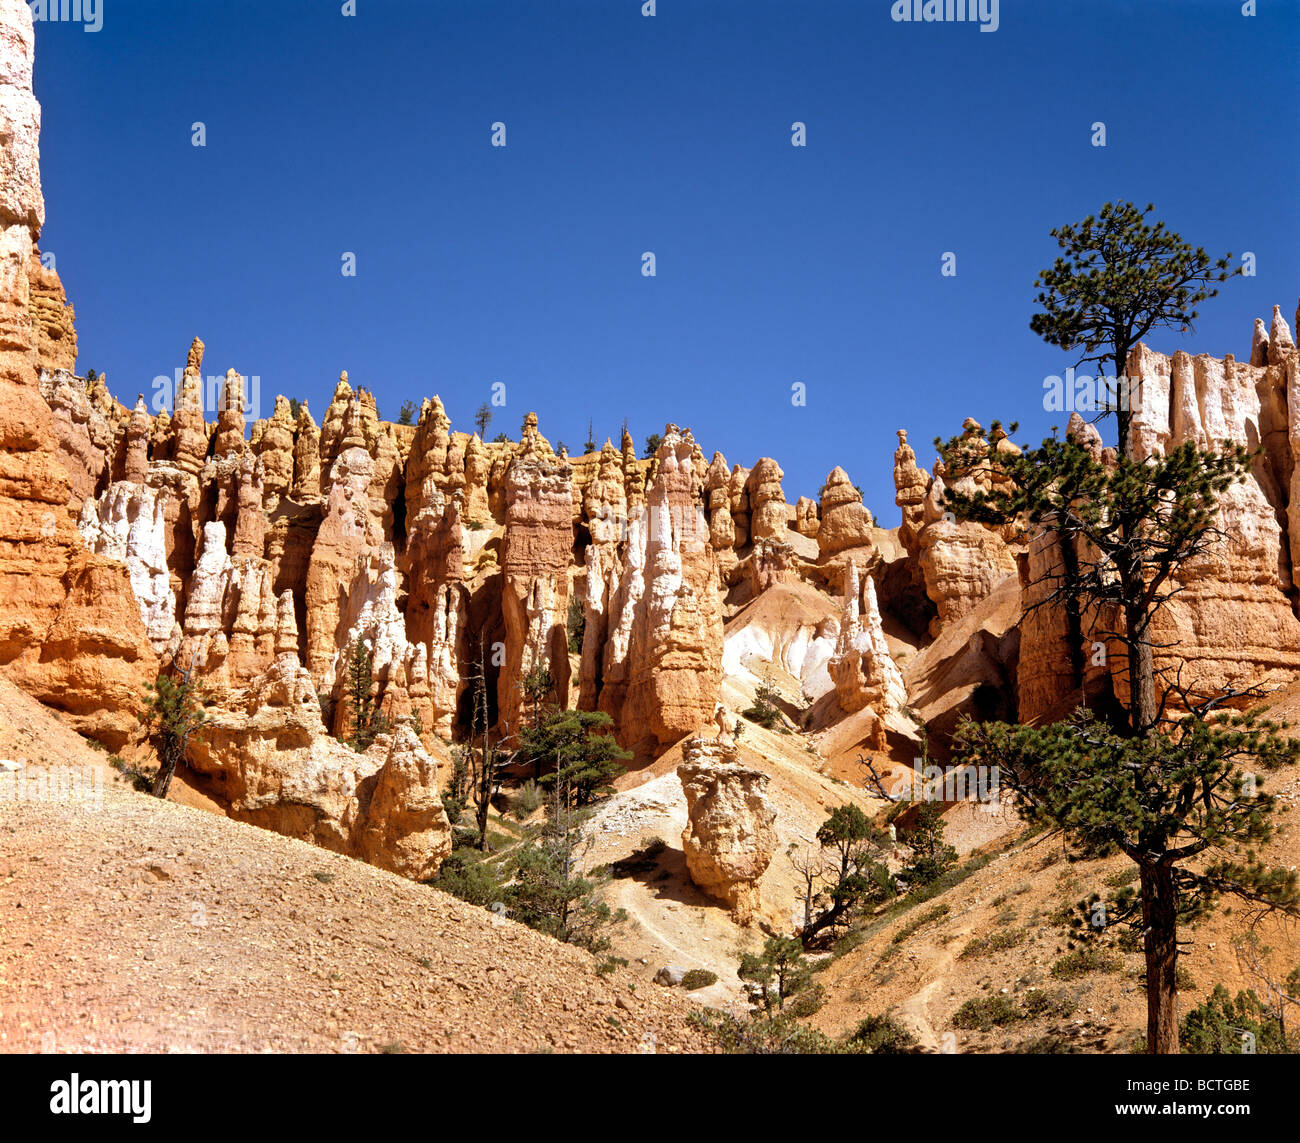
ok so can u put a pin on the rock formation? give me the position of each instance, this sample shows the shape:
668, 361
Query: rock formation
960, 561
129, 524
845, 523
262, 557
731, 835
53, 319
767, 507
70, 631
1233, 617
535, 572
661, 669
862, 668
272, 762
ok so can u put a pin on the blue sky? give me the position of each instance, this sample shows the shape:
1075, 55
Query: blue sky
775, 264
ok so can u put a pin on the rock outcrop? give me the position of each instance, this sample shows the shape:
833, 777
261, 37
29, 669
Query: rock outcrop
266, 558
1232, 618
535, 572
1231, 623
960, 561
53, 319
768, 512
272, 762
731, 835
129, 524
661, 670
862, 669
845, 523
70, 631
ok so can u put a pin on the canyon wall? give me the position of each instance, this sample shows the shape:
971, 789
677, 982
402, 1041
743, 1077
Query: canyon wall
70, 632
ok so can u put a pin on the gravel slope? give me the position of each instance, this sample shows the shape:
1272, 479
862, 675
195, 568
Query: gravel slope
127, 924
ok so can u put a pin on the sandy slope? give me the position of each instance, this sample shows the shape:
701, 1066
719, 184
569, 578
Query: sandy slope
128, 924
925, 979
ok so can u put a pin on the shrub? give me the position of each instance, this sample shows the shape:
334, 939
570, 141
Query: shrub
995, 942
920, 922
983, 1012
134, 777
528, 800
884, 1036
1040, 1003
1084, 960
1221, 1025
763, 1036
465, 875
699, 978
806, 1002
764, 710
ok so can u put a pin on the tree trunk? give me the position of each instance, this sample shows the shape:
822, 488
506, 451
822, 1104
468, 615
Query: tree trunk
1141, 671
1073, 613
162, 783
172, 752
1160, 945
1141, 659
1123, 414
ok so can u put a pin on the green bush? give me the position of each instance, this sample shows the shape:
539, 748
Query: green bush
1040, 1003
1083, 961
763, 1036
764, 711
984, 1012
528, 800
466, 875
1219, 1026
884, 1036
134, 777
699, 978
920, 922
995, 942
576, 627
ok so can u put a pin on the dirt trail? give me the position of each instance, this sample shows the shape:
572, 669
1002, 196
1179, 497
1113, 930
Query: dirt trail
915, 1009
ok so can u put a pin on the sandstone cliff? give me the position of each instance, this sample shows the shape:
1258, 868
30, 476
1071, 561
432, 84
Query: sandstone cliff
69, 630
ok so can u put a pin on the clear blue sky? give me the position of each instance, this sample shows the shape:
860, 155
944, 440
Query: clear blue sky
669, 134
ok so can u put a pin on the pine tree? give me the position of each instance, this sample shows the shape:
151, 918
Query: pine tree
173, 716
488, 762
550, 893
1165, 800
932, 857
584, 756
1117, 279
855, 876
1163, 794
367, 720
780, 972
